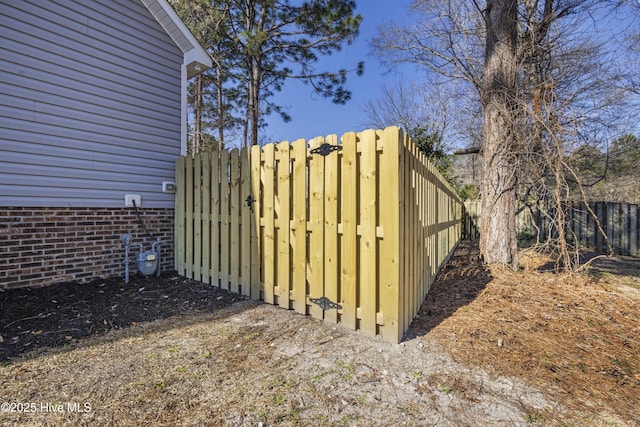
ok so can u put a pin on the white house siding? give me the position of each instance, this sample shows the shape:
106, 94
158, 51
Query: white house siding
90, 97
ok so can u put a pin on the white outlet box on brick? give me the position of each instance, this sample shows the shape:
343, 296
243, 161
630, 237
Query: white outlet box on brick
129, 198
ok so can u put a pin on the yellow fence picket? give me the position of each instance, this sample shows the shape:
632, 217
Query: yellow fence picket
389, 195
282, 208
420, 283
331, 249
197, 218
366, 295
349, 198
224, 219
189, 219
234, 222
255, 279
405, 170
299, 220
411, 252
431, 229
206, 218
316, 228
180, 204
245, 223
269, 233
215, 219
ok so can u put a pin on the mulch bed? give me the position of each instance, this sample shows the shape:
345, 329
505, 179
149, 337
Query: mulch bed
43, 318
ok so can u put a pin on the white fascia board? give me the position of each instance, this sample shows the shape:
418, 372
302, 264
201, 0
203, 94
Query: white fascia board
192, 51
183, 110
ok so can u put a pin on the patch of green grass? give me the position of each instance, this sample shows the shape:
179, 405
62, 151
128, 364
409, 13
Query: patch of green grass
347, 420
347, 366
294, 414
626, 367
318, 377
444, 388
323, 420
349, 371
534, 418
251, 336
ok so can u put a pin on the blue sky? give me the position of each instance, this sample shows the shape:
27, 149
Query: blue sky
313, 115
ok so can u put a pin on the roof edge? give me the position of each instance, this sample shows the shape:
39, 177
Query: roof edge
195, 58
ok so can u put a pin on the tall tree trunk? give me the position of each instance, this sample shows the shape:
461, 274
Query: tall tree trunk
255, 102
498, 244
197, 117
247, 114
222, 117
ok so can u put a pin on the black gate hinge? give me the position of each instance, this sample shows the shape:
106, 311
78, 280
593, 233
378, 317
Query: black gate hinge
326, 149
325, 303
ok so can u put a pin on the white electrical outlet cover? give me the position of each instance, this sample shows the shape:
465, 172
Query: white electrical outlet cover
129, 198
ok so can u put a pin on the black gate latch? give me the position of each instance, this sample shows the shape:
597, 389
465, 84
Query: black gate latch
250, 201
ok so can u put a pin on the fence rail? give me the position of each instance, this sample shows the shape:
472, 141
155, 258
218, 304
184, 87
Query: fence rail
620, 223
354, 236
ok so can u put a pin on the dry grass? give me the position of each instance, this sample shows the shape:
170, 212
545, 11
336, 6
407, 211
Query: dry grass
489, 348
575, 336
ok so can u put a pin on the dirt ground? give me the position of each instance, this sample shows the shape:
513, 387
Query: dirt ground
489, 347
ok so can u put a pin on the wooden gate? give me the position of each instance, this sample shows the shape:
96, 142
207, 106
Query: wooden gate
350, 230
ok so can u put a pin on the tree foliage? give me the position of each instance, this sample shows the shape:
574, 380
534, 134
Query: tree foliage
570, 90
258, 45
610, 175
214, 96
421, 112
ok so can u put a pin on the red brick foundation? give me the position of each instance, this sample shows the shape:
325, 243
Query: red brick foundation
43, 246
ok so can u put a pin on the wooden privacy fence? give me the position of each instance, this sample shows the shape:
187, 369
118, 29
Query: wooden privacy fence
620, 223
350, 231
471, 211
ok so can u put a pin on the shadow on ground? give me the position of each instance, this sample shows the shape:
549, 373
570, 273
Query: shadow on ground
35, 319
456, 285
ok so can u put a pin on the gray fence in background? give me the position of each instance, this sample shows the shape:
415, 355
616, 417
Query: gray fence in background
620, 223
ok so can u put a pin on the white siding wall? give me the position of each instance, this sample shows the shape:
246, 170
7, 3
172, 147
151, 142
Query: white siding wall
89, 104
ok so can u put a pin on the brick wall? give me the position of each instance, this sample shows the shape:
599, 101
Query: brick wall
42, 246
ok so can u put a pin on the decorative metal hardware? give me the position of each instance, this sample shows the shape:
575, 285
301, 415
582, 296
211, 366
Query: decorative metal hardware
250, 200
325, 303
326, 149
